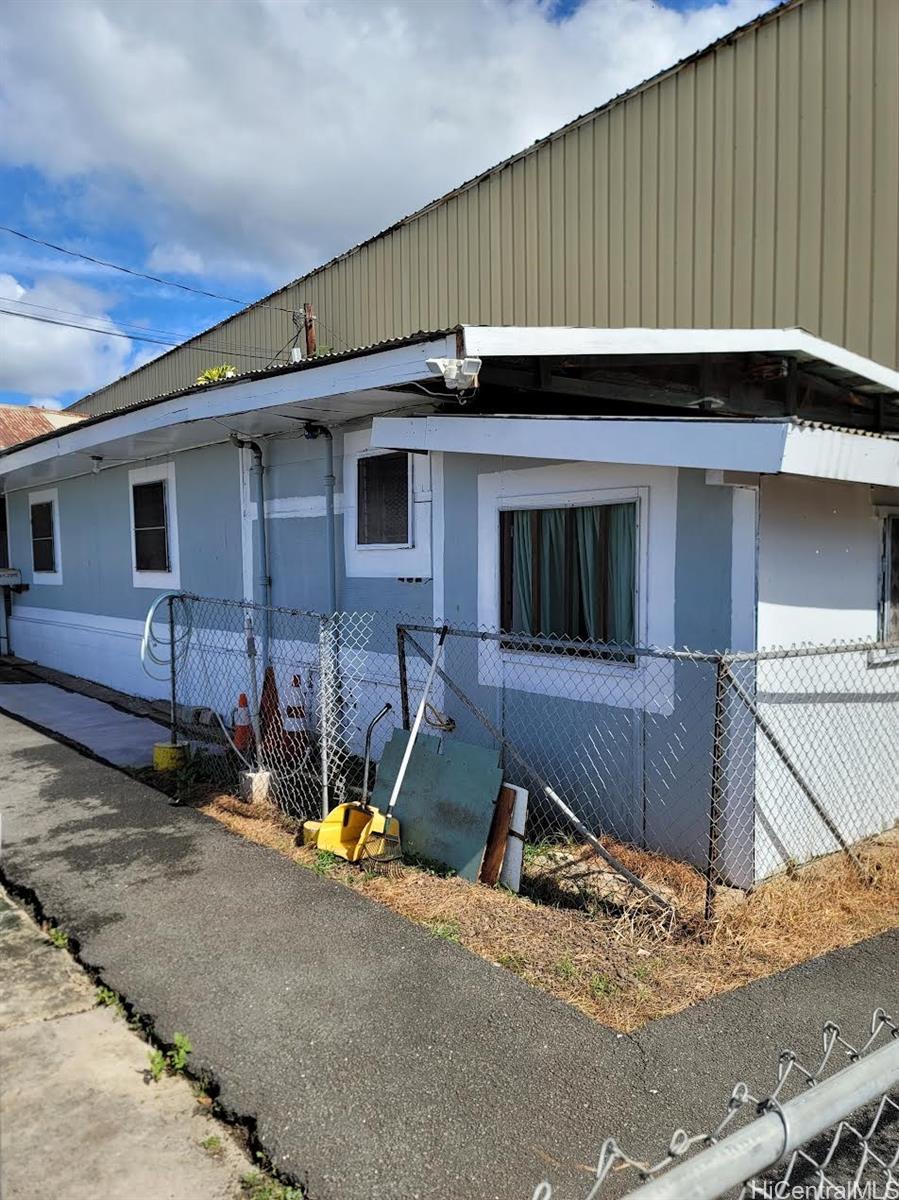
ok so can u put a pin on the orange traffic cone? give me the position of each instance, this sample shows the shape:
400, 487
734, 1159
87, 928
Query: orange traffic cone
243, 729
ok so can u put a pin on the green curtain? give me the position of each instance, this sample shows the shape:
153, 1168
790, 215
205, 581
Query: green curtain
591, 592
622, 520
522, 573
553, 616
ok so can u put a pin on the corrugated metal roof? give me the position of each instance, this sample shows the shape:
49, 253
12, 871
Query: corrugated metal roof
305, 364
22, 422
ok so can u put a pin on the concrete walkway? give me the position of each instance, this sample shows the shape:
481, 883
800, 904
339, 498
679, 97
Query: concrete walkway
376, 1059
117, 737
78, 1118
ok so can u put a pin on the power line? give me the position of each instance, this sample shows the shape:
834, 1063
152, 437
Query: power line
102, 262
141, 330
129, 336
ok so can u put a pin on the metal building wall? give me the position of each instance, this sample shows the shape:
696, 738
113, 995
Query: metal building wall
754, 185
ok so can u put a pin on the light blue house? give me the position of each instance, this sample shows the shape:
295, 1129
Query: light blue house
481, 477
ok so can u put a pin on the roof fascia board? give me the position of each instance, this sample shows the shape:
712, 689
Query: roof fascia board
756, 447
835, 454
484, 341
403, 364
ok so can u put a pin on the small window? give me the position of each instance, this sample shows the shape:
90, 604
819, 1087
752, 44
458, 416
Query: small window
382, 500
43, 545
569, 573
151, 542
4, 535
890, 601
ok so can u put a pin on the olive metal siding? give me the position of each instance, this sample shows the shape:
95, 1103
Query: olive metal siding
756, 184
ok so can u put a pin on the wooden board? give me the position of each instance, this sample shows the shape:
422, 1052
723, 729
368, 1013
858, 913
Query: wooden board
497, 838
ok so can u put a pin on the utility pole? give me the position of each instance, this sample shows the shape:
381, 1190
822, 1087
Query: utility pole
309, 324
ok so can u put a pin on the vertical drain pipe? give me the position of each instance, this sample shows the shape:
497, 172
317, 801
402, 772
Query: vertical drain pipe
313, 431
263, 579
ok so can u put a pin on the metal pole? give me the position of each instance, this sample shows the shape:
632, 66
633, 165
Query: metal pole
773, 1137
173, 711
404, 679
715, 790
325, 683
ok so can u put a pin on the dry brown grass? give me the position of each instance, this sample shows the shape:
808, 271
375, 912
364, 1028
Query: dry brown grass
621, 964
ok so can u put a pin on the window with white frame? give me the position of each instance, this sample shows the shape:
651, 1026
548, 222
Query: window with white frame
384, 499
46, 564
154, 534
570, 573
889, 620
387, 510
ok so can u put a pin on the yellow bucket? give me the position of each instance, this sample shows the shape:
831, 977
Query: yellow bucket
169, 757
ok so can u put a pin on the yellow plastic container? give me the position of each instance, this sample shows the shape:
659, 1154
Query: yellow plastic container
310, 832
349, 829
169, 757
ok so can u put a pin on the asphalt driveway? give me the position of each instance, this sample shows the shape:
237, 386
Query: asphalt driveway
375, 1059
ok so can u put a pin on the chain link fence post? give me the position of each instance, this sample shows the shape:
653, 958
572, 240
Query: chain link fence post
718, 735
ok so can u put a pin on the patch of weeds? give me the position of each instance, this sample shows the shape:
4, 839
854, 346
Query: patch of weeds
213, 1145
534, 851
513, 962
601, 987
448, 930
256, 1186
58, 937
108, 999
324, 862
172, 1062
565, 969
156, 1060
178, 1055
645, 970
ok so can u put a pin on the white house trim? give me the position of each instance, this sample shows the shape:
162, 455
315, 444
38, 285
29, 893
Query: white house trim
723, 444
329, 392
54, 577
505, 340
157, 580
671, 442
624, 685
386, 562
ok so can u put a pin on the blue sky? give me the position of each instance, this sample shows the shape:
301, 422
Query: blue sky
233, 145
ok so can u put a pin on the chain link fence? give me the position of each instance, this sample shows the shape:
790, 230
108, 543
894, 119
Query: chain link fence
736, 764
826, 1129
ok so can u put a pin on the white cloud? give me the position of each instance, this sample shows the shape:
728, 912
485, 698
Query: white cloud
39, 358
48, 402
264, 135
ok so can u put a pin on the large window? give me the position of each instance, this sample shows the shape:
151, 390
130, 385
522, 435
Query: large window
382, 500
151, 540
890, 601
569, 572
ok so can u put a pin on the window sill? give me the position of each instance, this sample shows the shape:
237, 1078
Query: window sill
54, 578
584, 663
168, 581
